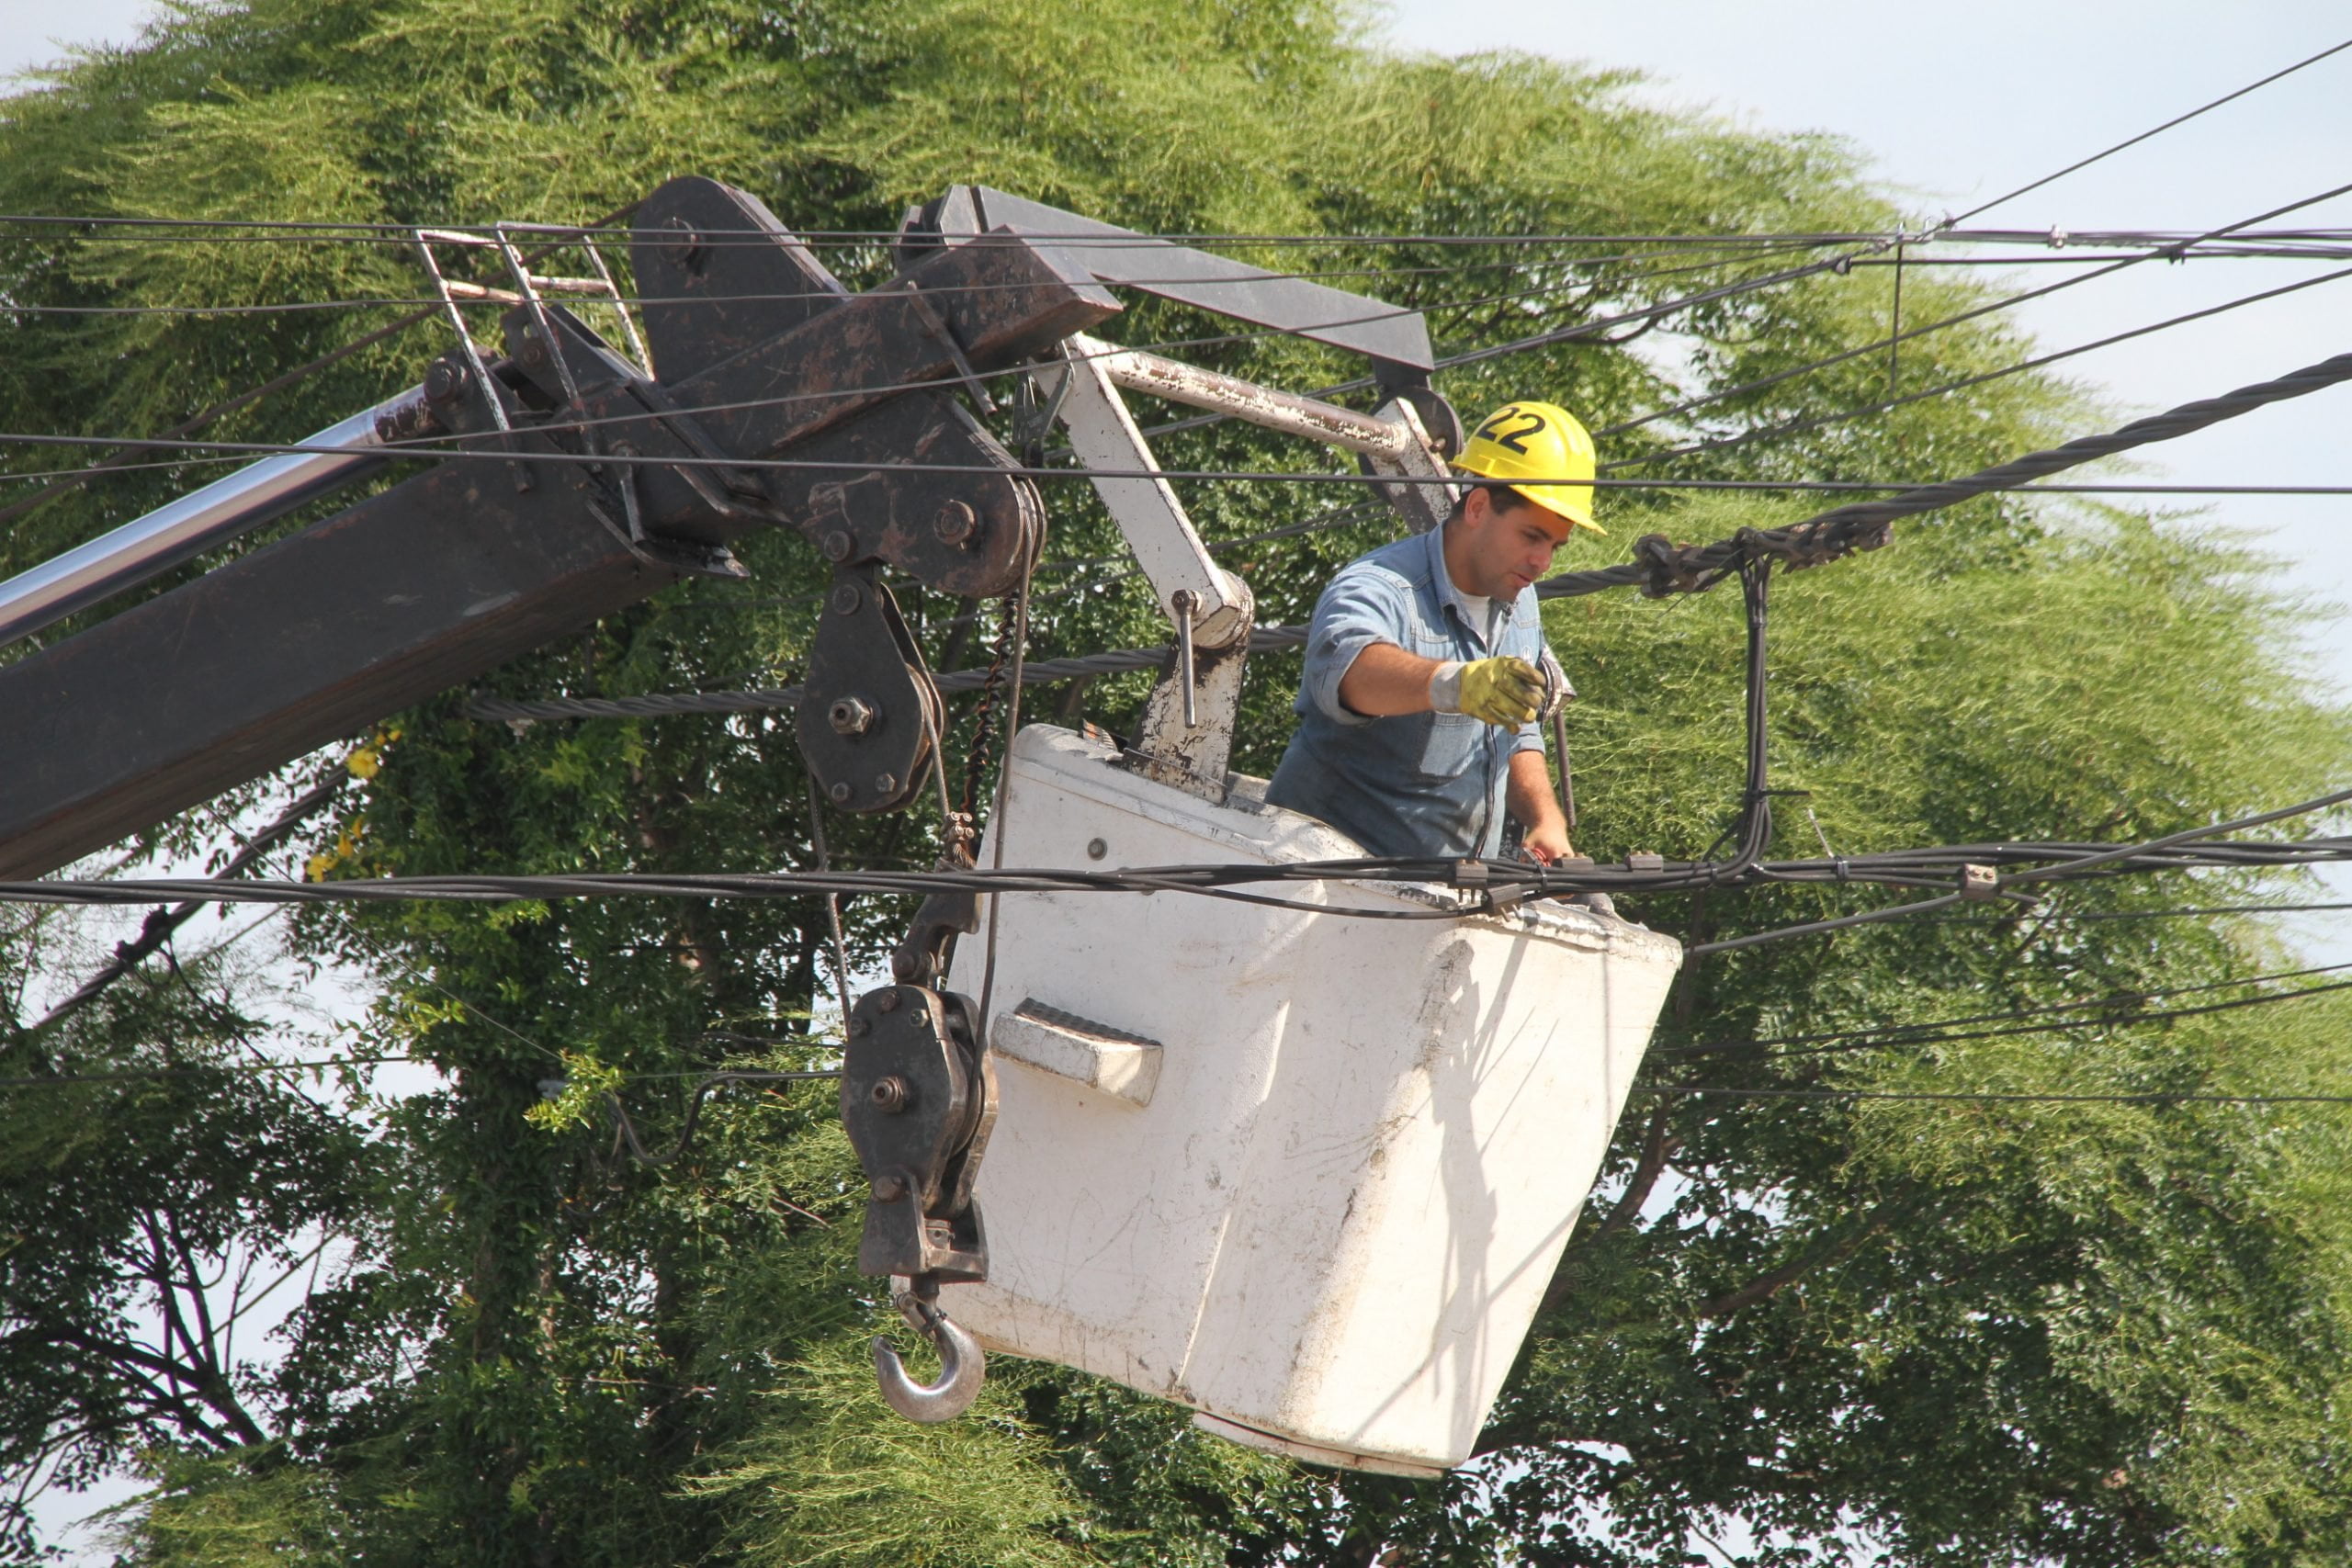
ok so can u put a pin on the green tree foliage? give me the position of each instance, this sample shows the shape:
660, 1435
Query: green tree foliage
1923, 1331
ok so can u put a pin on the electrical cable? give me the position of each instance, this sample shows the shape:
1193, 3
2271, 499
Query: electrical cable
275, 384
2155, 130
1819, 421
1898, 337
1662, 567
1936, 1032
1475, 878
703, 1092
505, 300
2157, 1097
441, 450
38, 1080
996, 826
161, 923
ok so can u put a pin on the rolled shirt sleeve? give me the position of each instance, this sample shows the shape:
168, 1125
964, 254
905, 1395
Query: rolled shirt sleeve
1360, 607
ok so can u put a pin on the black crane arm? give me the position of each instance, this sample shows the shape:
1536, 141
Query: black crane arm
761, 353
775, 399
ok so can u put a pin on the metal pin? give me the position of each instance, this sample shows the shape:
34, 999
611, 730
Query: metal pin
1183, 601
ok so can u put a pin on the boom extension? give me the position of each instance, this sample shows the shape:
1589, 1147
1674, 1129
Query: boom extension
447, 574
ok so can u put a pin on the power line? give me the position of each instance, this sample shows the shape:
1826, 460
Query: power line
503, 300
161, 923
1940, 1032
1962, 384
229, 405
1664, 567
73, 479
2153, 131
1897, 338
609, 230
2157, 1097
197, 1070
1485, 883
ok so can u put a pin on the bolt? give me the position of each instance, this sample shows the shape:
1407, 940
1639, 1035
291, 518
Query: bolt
886, 783
444, 382
956, 522
888, 1001
861, 1027
888, 1188
534, 348
1096, 849
686, 247
890, 1095
838, 545
847, 599
852, 715
841, 793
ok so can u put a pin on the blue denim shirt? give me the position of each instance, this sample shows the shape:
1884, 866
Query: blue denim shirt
1417, 784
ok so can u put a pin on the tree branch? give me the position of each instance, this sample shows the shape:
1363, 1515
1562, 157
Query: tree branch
1656, 1149
1767, 1286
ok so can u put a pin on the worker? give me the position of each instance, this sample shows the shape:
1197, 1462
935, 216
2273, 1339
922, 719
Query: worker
1427, 668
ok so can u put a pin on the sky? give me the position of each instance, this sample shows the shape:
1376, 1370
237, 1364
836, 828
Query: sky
1950, 107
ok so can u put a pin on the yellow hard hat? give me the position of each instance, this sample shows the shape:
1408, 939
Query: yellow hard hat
1540, 451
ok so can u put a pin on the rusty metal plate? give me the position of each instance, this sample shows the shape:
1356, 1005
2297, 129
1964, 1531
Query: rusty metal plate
868, 710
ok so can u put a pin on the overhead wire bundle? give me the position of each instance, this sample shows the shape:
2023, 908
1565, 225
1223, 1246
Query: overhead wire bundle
1663, 569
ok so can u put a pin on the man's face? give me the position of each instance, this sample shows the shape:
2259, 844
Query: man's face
1508, 546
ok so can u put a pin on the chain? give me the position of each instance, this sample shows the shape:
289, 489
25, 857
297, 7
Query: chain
975, 760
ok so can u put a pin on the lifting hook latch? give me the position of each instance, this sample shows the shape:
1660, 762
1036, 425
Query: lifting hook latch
962, 1366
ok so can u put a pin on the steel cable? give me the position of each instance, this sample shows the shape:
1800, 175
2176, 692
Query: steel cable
1661, 566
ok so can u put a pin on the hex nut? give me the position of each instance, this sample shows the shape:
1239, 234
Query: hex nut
890, 1095
886, 783
887, 1003
840, 792
852, 715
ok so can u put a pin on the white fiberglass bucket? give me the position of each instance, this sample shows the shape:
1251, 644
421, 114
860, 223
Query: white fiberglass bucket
1305, 1172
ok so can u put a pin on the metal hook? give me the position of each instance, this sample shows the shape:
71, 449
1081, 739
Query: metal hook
962, 1367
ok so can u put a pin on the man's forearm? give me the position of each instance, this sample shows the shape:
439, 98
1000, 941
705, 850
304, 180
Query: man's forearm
1527, 795
1385, 680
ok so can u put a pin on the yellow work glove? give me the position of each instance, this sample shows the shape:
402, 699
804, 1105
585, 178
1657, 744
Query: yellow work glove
1506, 691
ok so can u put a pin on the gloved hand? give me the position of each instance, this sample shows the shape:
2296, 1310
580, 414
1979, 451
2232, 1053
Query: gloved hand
1505, 690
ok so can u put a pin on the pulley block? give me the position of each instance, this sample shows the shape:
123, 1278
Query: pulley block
869, 710
918, 1099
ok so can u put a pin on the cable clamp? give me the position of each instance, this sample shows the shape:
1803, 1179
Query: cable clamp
1978, 883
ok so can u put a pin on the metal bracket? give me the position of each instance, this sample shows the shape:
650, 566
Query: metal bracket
1395, 442
1396, 339
477, 378
1429, 492
1186, 735
868, 709
1105, 437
